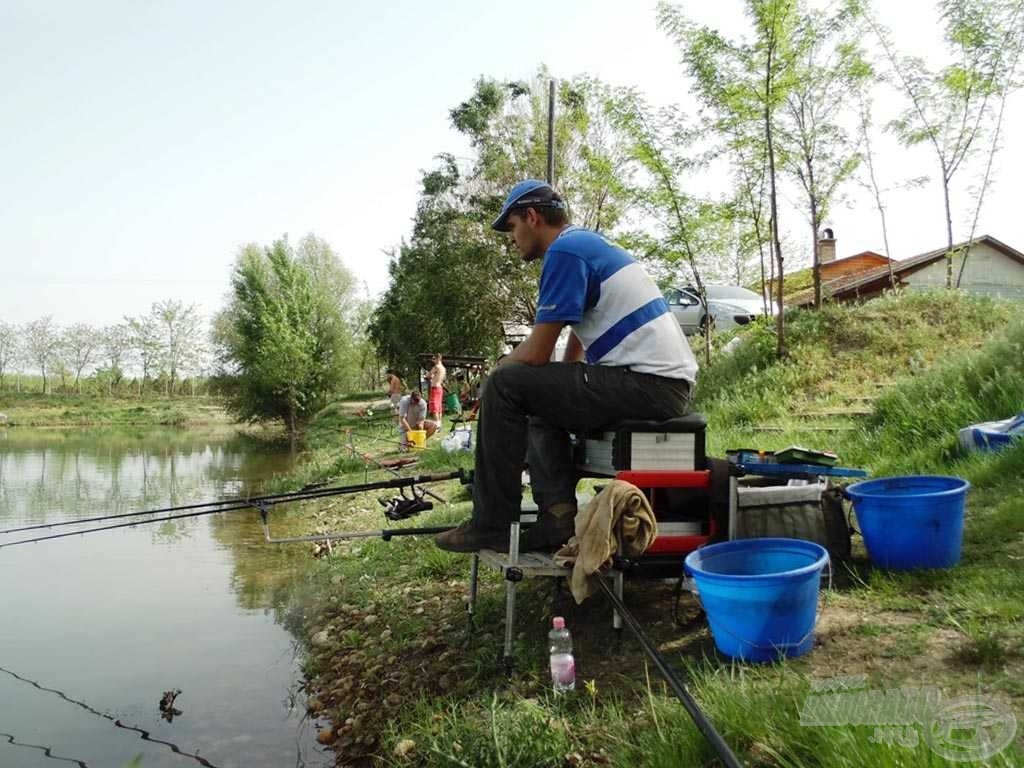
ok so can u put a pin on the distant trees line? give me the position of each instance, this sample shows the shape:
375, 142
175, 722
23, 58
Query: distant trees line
164, 351
292, 337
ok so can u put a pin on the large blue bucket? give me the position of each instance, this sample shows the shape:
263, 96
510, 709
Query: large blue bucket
911, 522
760, 595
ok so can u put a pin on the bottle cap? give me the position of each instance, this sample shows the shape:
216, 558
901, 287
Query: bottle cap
558, 622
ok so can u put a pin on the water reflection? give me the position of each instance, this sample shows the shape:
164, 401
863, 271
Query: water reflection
117, 617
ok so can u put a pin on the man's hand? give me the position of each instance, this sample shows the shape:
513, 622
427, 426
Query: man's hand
538, 346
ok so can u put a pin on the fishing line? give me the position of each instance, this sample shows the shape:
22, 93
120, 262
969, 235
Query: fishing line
45, 750
93, 711
377, 439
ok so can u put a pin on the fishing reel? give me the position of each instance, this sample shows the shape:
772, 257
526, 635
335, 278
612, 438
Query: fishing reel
403, 507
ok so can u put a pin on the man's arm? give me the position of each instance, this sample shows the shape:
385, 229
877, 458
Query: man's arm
573, 349
538, 346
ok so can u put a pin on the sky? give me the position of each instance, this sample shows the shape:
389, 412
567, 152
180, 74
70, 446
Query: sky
142, 143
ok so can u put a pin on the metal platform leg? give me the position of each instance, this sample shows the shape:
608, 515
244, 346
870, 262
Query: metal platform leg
733, 504
512, 578
474, 572
618, 577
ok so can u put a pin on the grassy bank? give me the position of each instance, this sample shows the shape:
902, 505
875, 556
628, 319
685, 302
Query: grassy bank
393, 669
36, 410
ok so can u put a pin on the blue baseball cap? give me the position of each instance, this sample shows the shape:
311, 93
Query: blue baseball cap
531, 193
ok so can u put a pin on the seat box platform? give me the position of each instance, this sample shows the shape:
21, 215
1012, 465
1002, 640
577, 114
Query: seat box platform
673, 445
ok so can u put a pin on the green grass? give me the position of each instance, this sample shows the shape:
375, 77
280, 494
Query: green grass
945, 361
37, 410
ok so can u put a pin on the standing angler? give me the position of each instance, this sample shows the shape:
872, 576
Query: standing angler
437, 376
626, 358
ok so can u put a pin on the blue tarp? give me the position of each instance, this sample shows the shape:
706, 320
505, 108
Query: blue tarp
992, 435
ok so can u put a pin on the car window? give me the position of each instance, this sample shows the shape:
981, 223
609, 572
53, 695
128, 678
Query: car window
730, 292
685, 297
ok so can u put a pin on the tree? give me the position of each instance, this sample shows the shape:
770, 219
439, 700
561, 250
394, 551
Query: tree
283, 336
116, 347
827, 67
79, 344
1005, 85
180, 333
452, 285
744, 86
732, 117
950, 109
9, 349
145, 340
774, 22
455, 282
41, 342
684, 223
864, 124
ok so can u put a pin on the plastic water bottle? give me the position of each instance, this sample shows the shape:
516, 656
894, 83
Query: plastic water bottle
563, 666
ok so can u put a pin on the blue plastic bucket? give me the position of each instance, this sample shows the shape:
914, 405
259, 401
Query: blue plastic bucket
760, 595
911, 522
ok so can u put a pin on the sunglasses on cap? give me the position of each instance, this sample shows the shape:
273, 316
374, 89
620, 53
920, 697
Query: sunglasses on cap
536, 202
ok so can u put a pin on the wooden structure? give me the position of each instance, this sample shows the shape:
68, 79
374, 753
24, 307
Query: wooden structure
992, 268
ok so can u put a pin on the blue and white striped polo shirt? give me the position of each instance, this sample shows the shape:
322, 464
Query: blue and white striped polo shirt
614, 307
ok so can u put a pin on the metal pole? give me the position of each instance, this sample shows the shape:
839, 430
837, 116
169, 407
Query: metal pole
551, 131
510, 594
692, 708
474, 575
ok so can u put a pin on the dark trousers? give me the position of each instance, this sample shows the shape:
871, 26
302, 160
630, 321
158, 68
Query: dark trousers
527, 413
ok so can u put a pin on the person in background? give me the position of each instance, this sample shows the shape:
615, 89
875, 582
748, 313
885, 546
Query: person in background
626, 358
466, 390
412, 414
395, 387
437, 376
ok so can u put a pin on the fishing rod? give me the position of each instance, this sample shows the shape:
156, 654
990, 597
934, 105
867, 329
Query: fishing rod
244, 503
260, 503
367, 457
692, 708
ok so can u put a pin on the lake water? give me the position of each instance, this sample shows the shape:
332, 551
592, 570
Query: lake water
109, 621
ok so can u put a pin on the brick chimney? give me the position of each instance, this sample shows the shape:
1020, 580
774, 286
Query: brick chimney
826, 247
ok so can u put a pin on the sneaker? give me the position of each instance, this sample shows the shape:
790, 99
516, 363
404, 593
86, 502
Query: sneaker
469, 537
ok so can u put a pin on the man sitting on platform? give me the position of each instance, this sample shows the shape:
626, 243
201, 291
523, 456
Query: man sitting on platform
626, 359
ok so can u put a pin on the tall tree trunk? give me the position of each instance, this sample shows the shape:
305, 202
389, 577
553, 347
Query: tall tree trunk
780, 328
949, 231
764, 294
815, 250
815, 263
293, 431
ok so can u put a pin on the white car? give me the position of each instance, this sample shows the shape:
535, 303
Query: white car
729, 306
